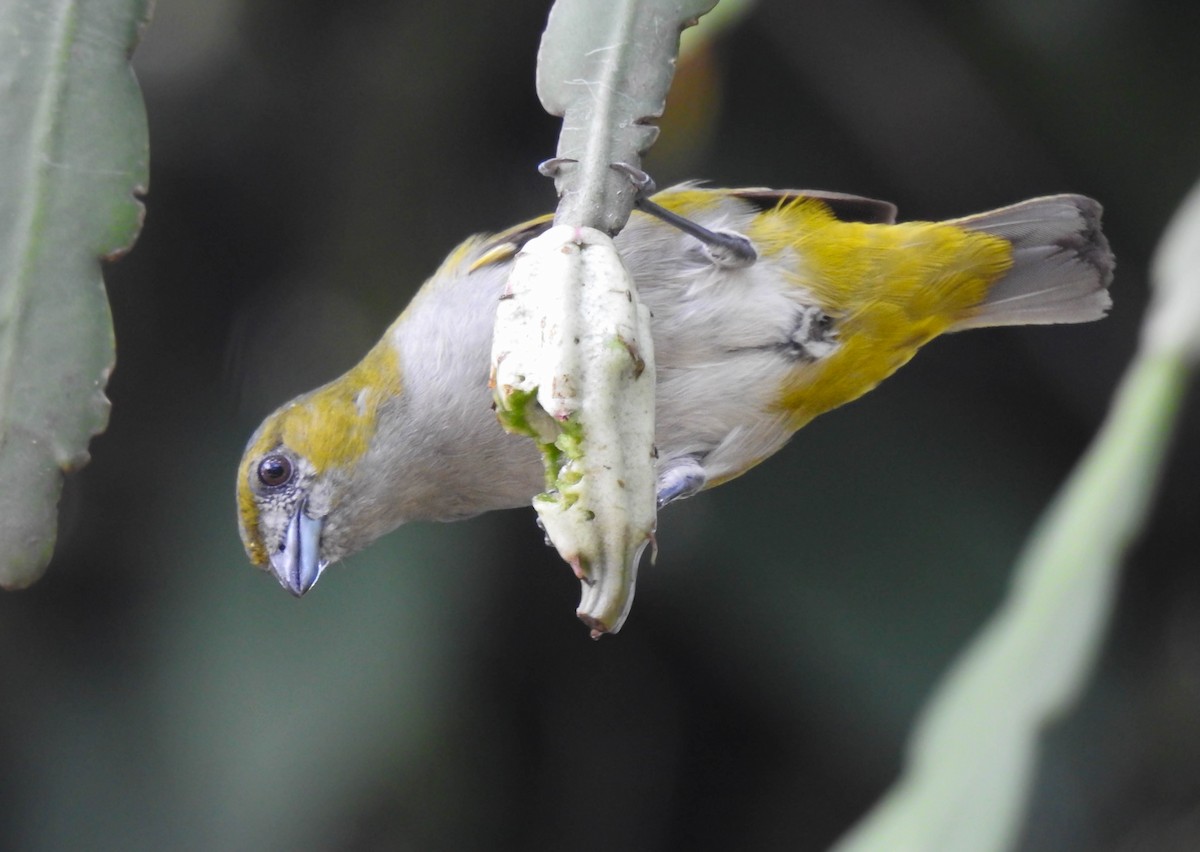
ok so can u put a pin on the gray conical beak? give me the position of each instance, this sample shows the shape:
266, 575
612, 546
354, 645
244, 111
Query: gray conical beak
298, 565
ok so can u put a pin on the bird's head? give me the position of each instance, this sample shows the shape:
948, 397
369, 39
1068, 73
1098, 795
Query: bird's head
304, 484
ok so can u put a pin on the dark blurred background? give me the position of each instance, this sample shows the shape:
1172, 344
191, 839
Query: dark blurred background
311, 163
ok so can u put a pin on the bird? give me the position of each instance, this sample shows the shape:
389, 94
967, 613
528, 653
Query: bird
834, 296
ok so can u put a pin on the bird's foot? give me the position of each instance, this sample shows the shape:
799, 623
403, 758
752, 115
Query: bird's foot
684, 478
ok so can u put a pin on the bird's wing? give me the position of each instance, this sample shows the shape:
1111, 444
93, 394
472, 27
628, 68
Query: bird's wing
846, 207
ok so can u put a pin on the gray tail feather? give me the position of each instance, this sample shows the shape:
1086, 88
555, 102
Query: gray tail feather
1062, 264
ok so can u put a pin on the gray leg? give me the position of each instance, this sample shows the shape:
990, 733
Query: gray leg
728, 249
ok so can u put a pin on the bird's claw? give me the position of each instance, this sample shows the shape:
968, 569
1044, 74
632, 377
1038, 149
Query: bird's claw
684, 478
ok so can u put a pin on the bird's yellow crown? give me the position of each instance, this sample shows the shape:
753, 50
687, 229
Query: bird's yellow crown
329, 427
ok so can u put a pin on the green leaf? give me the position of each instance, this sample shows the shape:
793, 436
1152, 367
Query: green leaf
73, 157
606, 68
1173, 323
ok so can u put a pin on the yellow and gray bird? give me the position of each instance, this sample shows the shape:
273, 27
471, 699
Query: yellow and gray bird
837, 297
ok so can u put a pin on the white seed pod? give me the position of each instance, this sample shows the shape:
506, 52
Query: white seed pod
573, 368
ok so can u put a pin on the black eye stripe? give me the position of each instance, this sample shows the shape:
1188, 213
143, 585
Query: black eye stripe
275, 470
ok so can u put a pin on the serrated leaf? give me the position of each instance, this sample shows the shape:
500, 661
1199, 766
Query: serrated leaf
606, 68
73, 156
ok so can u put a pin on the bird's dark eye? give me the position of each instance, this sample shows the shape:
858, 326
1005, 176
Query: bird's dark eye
274, 471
